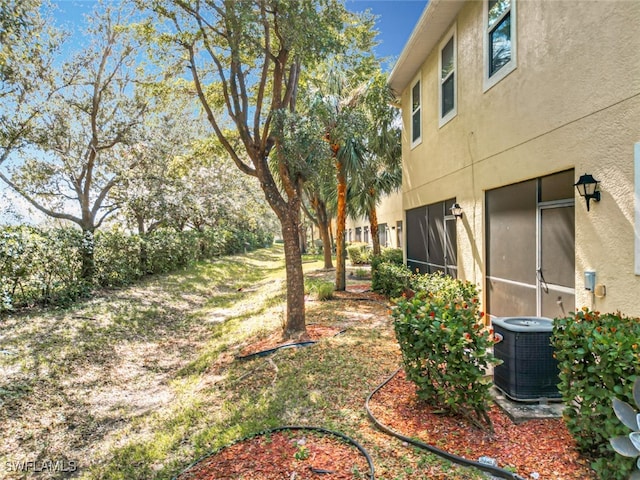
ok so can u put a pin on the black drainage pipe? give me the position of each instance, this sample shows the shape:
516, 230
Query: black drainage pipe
286, 428
495, 471
264, 353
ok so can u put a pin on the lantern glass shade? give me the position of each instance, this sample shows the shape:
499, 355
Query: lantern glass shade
456, 210
587, 185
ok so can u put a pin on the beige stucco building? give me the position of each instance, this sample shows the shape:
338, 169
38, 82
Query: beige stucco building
390, 221
506, 104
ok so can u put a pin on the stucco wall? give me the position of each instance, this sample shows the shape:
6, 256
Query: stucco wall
572, 102
389, 211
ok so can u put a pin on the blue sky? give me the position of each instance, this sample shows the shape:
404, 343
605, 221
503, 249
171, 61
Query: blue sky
396, 20
395, 23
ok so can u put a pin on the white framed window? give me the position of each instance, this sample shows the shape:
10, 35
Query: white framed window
416, 113
499, 40
448, 91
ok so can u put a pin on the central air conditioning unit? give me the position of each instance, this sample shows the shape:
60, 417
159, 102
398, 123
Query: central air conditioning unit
528, 371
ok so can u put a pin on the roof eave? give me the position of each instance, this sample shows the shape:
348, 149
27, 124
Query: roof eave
436, 18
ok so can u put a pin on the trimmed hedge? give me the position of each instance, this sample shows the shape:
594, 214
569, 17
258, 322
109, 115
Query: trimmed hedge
445, 347
43, 265
359, 253
390, 279
599, 359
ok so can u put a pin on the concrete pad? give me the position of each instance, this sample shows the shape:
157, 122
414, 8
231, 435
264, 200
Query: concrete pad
520, 412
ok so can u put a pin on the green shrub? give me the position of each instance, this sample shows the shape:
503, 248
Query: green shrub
390, 279
322, 289
168, 250
359, 253
379, 279
445, 348
44, 265
599, 359
362, 273
391, 255
211, 243
117, 258
39, 266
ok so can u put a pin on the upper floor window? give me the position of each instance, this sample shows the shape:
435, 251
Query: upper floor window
500, 40
448, 65
416, 109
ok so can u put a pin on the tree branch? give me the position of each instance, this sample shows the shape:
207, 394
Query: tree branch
212, 120
42, 208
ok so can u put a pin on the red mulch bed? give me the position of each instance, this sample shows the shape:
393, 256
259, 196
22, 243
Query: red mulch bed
273, 457
542, 446
316, 332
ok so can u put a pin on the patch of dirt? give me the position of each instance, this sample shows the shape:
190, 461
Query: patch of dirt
316, 332
282, 455
544, 447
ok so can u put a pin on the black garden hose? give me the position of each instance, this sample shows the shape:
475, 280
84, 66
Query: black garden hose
496, 471
285, 428
264, 353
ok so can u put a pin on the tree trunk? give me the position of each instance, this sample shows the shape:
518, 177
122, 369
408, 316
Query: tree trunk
333, 243
313, 240
323, 227
341, 222
87, 256
375, 237
295, 327
302, 233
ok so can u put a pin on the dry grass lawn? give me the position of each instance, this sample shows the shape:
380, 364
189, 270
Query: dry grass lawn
139, 382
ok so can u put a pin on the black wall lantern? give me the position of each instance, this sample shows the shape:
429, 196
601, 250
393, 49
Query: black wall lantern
588, 187
456, 210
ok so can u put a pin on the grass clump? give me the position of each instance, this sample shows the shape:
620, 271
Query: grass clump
321, 289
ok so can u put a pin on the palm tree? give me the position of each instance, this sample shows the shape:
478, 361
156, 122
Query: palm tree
319, 194
381, 172
336, 102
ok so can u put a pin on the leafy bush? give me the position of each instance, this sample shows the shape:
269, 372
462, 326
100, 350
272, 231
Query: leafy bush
39, 266
322, 289
168, 250
211, 243
599, 359
391, 255
45, 265
445, 348
359, 253
117, 258
361, 273
390, 279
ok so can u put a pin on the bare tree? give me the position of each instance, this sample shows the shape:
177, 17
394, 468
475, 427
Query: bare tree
245, 59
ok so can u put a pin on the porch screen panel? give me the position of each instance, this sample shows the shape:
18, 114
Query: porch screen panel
451, 247
436, 241
416, 233
558, 251
508, 300
511, 249
557, 303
